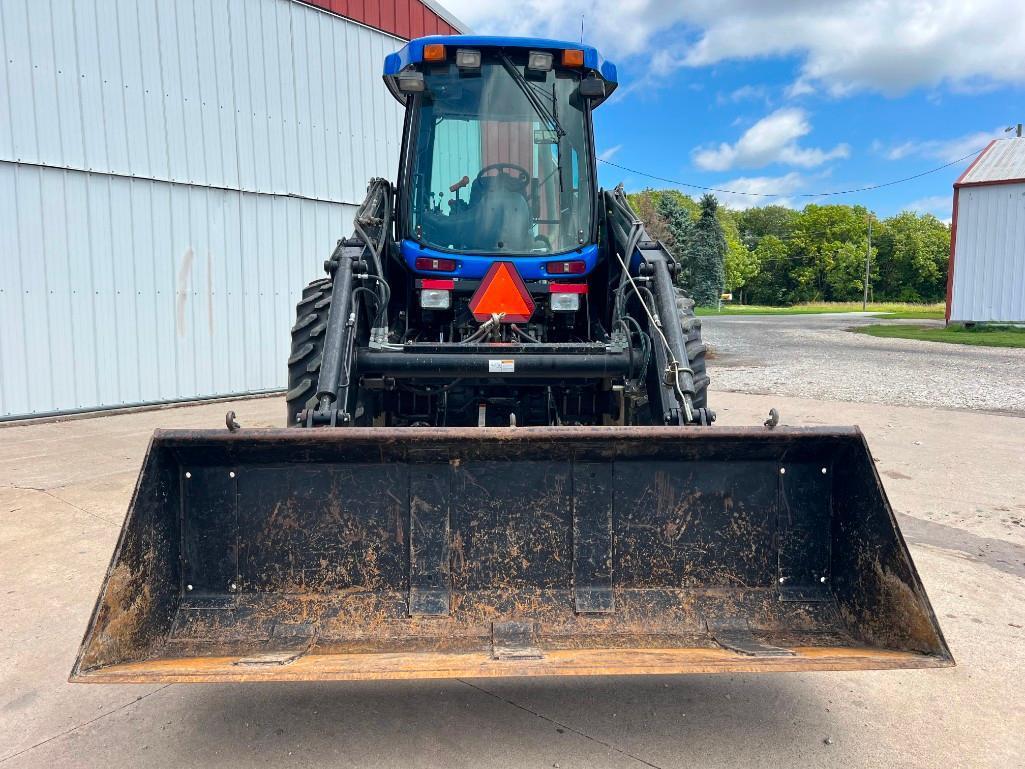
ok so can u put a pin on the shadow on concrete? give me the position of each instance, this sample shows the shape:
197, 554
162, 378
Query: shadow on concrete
996, 553
707, 721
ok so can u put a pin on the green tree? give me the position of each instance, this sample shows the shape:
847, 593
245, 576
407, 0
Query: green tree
913, 257
821, 251
778, 256
770, 282
708, 255
668, 216
845, 270
741, 264
645, 205
680, 229
687, 203
755, 223
772, 285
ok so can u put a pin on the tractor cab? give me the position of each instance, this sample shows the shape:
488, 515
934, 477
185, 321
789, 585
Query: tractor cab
498, 154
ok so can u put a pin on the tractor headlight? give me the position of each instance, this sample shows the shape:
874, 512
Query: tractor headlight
435, 299
565, 302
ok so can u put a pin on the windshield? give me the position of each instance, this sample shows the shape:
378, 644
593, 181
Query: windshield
500, 161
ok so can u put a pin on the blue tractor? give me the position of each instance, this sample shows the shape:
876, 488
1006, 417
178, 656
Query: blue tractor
496, 283
500, 457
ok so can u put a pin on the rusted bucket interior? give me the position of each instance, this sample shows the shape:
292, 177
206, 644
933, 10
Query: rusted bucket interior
394, 553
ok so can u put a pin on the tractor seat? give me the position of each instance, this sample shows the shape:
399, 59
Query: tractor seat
502, 217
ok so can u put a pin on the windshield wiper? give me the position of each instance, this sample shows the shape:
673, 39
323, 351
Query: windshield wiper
539, 107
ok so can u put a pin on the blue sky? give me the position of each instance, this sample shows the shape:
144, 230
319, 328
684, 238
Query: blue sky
793, 96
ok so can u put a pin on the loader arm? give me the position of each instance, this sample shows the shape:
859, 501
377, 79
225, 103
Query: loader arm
654, 265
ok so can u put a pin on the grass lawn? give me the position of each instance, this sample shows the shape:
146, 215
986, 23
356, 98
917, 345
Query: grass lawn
986, 336
926, 312
891, 309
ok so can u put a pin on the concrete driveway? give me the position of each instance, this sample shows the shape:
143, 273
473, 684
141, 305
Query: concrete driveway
954, 476
816, 356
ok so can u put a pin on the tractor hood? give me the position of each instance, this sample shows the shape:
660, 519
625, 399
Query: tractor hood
412, 54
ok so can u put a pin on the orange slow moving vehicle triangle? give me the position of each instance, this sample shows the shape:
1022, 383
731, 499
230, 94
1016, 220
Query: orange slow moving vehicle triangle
502, 291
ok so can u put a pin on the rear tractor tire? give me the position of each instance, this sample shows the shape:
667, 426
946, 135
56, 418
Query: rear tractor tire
307, 349
696, 349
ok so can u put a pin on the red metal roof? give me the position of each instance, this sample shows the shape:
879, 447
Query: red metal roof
1002, 162
403, 18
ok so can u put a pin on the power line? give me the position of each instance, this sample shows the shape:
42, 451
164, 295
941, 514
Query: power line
789, 194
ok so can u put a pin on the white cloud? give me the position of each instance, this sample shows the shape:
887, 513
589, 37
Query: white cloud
779, 187
901, 151
798, 88
887, 45
609, 153
844, 45
940, 205
744, 93
945, 150
951, 149
773, 139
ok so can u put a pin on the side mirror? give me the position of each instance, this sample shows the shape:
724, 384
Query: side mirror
592, 88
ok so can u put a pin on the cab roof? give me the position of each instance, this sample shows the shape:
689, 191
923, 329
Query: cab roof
412, 53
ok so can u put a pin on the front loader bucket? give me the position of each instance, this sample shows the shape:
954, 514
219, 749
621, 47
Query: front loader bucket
432, 553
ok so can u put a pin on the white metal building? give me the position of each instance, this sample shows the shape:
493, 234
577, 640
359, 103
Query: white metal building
172, 172
986, 281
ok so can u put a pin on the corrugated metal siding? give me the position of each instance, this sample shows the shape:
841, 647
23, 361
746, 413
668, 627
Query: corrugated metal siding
132, 291
256, 95
173, 171
1002, 160
989, 254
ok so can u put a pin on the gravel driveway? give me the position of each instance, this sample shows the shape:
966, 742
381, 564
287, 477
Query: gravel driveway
815, 356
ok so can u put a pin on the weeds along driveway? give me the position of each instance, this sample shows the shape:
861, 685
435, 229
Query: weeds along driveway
815, 356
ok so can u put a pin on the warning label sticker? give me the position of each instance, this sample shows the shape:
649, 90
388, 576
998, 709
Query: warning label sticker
501, 366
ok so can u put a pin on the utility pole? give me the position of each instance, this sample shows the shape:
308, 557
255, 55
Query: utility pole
1016, 129
868, 256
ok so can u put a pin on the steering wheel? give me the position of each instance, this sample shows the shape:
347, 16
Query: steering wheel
515, 182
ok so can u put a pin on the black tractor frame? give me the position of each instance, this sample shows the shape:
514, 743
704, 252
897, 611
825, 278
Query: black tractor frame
364, 354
